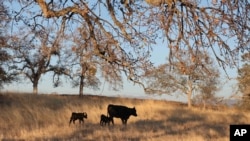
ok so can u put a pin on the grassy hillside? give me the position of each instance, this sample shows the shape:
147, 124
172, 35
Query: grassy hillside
46, 117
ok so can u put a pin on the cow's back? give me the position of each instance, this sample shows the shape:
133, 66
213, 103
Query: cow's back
117, 111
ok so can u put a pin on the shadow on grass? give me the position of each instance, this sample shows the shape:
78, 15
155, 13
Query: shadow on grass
185, 122
178, 123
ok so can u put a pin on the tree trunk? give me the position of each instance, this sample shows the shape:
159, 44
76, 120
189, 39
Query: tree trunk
204, 104
189, 99
81, 85
189, 93
35, 87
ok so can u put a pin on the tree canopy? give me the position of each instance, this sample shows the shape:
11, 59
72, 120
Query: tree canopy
219, 25
121, 33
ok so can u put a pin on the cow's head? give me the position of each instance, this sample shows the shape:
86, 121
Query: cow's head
85, 115
133, 111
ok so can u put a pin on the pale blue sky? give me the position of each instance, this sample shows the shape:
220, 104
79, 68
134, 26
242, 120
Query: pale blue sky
158, 56
129, 90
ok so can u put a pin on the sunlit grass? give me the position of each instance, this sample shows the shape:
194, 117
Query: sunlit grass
46, 117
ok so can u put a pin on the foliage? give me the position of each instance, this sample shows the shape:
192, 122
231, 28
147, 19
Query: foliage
114, 42
190, 26
120, 34
5, 76
108, 37
196, 25
244, 81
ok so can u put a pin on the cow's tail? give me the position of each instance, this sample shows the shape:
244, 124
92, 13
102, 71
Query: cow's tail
108, 112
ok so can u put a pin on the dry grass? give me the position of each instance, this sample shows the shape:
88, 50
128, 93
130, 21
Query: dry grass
46, 117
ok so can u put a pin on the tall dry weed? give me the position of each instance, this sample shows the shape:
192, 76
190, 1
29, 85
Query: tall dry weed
46, 117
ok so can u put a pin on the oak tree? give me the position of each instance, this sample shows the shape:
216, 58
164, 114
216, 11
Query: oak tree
5, 76
186, 77
114, 35
81, 62
129, 28
244, 81
32, 55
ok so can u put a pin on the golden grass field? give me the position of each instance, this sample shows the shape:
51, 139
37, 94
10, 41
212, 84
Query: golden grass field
46, 117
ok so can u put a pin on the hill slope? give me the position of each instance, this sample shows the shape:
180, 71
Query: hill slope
46, 117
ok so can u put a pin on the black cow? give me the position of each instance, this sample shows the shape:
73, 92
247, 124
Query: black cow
121, 112
105, 120
78, 116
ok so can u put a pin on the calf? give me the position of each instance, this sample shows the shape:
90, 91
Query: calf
78, 116
105, 120
121, 112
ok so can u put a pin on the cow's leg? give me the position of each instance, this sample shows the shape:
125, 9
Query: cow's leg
101, 122
112, 120
70, 121
125, 121
82, 121
122, 121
